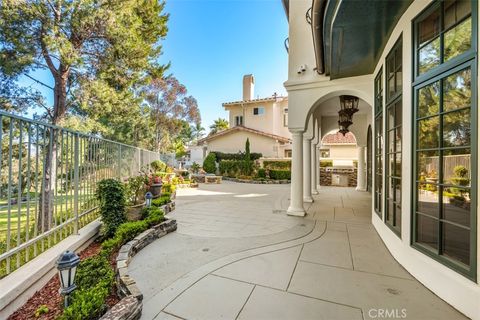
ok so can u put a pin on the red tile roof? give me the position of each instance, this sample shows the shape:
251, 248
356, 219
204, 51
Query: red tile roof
338, 138
242, 128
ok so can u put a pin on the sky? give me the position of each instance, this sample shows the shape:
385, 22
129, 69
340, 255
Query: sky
211, 44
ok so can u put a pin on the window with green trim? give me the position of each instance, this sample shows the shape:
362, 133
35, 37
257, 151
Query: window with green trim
393, 135
444, 32
445, 155
378, 140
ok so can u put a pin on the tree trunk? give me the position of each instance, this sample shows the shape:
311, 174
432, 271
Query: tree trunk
47, 194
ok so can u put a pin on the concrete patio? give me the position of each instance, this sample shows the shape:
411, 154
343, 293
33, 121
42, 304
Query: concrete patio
237, 255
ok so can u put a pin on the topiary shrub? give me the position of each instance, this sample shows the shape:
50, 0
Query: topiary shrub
111, 195
280, 174
209, 163
158, 166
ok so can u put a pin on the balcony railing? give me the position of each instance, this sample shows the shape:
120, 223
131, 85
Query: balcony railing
47, 183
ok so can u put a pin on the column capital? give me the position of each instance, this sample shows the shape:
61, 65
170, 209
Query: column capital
296, 131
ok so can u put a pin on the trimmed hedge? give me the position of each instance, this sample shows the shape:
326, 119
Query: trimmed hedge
235, 156
283, 165
280, 174
261, 173
326, 163
233, 168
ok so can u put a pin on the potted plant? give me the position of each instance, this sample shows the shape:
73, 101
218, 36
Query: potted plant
155, 185
135, 191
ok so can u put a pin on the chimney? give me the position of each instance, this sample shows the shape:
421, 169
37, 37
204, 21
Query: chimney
248, 85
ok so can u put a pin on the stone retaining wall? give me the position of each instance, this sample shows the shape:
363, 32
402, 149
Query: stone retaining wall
256, 181
326, 178
130, 306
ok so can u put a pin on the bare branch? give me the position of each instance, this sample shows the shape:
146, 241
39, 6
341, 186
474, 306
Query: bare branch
38, 81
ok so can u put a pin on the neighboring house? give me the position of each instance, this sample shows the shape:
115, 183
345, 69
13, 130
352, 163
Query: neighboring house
263, 121
342, 150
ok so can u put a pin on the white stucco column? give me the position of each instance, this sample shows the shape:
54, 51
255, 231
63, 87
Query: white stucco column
317, 168
313, 163
361, 174
296, 187
307, 170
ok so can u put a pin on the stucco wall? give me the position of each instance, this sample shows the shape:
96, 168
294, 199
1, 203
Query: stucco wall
235, 142
308, 90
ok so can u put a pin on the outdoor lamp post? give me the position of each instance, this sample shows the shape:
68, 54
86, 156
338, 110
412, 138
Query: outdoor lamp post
148, 199
67, 267
349, 104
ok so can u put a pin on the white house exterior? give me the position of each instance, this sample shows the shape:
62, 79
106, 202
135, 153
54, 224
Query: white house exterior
263, 121
413, 65
340, 149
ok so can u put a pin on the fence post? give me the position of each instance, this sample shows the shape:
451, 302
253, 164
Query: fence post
119, 162
76, 181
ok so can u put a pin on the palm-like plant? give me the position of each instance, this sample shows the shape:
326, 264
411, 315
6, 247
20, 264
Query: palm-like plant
218, 125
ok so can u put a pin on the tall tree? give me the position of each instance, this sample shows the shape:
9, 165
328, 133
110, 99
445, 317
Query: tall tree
113, 44
198, 130
170, 108
218, 125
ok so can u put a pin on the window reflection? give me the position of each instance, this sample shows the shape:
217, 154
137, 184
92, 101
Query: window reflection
427, 231
457, 90
456, 128
456, 242
429, 100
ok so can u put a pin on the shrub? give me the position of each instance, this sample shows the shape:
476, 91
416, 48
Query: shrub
195, 167
261, 173
111, 195
326, 163
282, 165
168, 188
86, 304
209, 163
135, 189
158, 166
94, 282
235, 156
162, 200
42, 309
280, 174
153, 215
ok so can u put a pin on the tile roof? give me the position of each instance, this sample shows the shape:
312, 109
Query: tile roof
269, 99
338, 138
246, 129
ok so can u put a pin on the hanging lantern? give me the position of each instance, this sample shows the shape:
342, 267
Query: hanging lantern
344, 119
349, 104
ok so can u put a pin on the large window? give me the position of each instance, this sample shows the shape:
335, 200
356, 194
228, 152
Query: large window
445, 155
378, 141
393, 148
239, 120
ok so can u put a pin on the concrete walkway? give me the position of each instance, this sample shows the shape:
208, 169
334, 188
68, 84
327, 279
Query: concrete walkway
329, 265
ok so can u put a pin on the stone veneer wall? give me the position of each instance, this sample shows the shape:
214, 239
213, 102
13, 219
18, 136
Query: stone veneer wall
326, 177
130, 306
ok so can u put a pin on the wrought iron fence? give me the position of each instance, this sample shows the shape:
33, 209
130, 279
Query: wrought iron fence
48, 181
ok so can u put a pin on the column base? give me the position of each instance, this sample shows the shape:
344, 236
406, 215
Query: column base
314, 192
308, 199
360, 189
298, 212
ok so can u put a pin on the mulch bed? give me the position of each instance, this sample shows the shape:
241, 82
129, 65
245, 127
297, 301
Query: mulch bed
50, 296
